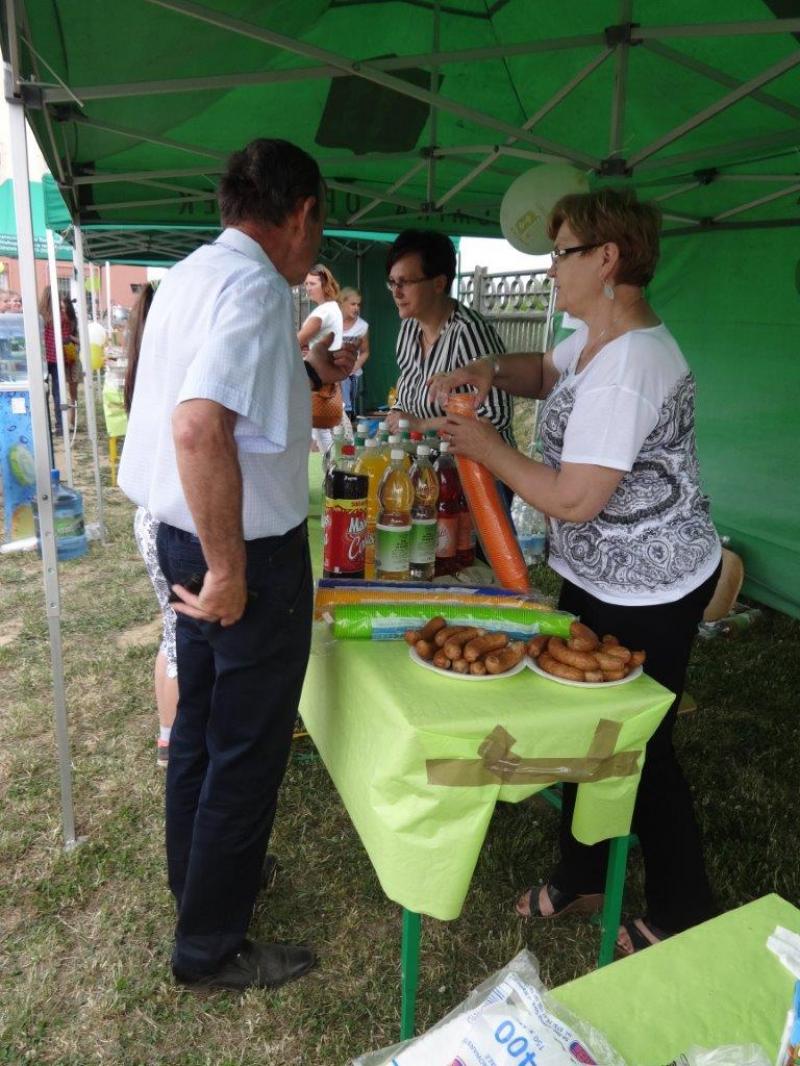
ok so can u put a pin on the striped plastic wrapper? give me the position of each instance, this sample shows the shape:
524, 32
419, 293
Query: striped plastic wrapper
335, 593
389, 621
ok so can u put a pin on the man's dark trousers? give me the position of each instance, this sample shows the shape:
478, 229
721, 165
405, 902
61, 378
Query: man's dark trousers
239, 691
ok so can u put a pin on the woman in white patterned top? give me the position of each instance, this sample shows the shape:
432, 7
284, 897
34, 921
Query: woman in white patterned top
630, 529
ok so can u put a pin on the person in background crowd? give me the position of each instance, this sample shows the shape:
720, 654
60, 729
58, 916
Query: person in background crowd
73, 371
217, 452
438, 334
630, 529
355, 333
46, 315
324, 324
145, 530
14, 302
5, 301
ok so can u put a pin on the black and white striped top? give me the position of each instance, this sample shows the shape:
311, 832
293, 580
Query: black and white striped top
464, 337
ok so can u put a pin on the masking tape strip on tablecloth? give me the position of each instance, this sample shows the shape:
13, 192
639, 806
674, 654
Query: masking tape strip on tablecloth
498, 764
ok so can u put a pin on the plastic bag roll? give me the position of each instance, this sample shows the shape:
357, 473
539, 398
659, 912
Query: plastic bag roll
389, 621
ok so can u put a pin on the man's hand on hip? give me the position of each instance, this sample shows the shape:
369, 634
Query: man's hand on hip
222, 599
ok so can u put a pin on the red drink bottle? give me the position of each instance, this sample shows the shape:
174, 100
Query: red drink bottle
448, 512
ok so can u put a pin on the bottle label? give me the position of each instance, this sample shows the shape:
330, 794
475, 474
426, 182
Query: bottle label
345, 531
423, 541
392, 545
447, 536
70, 525
466, 532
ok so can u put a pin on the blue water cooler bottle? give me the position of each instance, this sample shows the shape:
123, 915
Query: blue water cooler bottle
67, 520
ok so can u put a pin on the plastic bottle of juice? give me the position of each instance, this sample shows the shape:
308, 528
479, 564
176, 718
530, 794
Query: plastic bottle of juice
334, 452
404, 429
448, 512
373, 463
465, 550
413, 442
422, 553
433, 442
395, 441
383, 433
362, 428
393, 529
345, 522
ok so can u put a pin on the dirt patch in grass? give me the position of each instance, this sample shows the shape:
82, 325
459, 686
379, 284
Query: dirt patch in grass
143, 636
10, 631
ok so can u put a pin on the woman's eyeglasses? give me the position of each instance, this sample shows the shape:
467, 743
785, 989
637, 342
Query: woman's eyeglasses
395, 284
560, 253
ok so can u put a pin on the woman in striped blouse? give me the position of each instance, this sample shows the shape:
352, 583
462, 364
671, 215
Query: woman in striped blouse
438, 334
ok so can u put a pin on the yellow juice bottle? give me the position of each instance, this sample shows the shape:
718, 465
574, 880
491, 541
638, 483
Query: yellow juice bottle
393, 529
372, 462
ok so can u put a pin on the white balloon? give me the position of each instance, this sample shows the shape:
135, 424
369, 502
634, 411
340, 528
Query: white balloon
97, 335
529, 200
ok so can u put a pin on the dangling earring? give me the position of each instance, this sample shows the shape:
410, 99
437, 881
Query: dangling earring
608, 291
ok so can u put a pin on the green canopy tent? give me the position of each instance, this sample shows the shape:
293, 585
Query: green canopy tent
422, 112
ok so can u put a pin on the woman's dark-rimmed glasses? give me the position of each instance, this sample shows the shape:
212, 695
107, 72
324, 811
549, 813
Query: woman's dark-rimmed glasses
560, 253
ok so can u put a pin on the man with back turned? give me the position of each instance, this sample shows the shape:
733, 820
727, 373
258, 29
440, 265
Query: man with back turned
217, 451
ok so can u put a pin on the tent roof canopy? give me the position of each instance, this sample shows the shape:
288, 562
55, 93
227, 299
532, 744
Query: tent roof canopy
148, 245
421, 112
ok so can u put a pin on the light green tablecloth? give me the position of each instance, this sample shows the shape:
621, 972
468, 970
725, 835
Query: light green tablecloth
386, 728
713, 985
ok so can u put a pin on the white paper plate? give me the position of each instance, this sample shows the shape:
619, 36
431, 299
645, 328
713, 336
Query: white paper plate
582, 684
415, 658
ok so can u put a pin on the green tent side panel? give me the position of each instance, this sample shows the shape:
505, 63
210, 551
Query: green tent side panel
732, 301
8, 222
56, 215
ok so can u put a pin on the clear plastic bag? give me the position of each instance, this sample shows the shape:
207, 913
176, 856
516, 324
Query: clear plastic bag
732, 1055
509, 1020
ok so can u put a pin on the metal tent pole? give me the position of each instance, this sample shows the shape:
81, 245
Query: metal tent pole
93, 287
44, 500
55, 305
109, 324
88, 381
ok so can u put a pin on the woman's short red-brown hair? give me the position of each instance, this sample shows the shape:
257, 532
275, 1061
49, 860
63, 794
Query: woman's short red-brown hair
614, 216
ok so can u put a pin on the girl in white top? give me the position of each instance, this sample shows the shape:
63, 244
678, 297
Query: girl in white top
356, 334
324, 323
630, 529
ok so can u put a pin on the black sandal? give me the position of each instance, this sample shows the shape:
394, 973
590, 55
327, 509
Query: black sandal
561, 902
639, 942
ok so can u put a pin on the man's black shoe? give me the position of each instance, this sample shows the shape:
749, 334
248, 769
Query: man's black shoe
254, 966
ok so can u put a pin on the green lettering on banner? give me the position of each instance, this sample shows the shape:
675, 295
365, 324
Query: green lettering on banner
392, 548
423, 541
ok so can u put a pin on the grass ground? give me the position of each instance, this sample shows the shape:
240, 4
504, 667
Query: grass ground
85, 937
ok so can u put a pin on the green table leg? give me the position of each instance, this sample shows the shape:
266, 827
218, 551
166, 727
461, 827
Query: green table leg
409, 972
615, 889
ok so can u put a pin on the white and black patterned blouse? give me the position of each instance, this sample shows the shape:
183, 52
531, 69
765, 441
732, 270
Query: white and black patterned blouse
465, 336
654, 541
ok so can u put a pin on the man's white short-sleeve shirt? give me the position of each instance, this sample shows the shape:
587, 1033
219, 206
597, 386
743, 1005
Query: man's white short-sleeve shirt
221, 328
